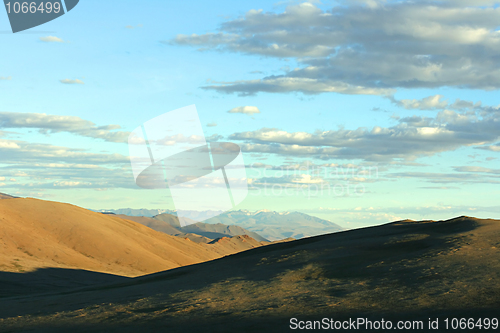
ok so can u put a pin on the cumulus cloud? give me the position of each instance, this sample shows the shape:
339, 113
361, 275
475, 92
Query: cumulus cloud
7, 78
413, 137
368, 44
51, 39
477, 169
36, 166
417, 121
427, 103
68, 81
495, 148
20, 152
213, 124
7, 144
291, 181
248, 110
45, 166
463, 105
307, 86
53, 124
438, 102
49, 175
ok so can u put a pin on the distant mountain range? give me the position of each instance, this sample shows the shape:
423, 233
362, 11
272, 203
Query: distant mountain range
198, 232
278, 225
268, 224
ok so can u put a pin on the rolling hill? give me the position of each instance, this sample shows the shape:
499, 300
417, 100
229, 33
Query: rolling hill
155, 224
36, 234
405, 270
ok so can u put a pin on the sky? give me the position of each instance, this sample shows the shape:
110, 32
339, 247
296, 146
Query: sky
360, 112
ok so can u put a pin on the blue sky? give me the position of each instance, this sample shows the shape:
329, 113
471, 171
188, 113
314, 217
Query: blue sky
409, 90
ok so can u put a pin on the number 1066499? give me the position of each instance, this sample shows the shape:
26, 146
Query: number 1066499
32, 7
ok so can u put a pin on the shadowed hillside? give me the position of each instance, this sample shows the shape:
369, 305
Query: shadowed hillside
220, 230
403, 270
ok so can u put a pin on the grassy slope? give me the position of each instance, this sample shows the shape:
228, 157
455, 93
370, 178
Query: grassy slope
406, 270
36, 233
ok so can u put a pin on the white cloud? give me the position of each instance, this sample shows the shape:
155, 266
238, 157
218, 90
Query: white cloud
248, 110
290, 181
7, 78
417, 121
427, 103
449, 178
37, 174
477, 169
495, 148
54, 124
213, 124
437, 102
27, 153
289, 84
307, 179
7, 144
31, 166
367, 44
413, 137
70, 184
68, 81
51, 39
